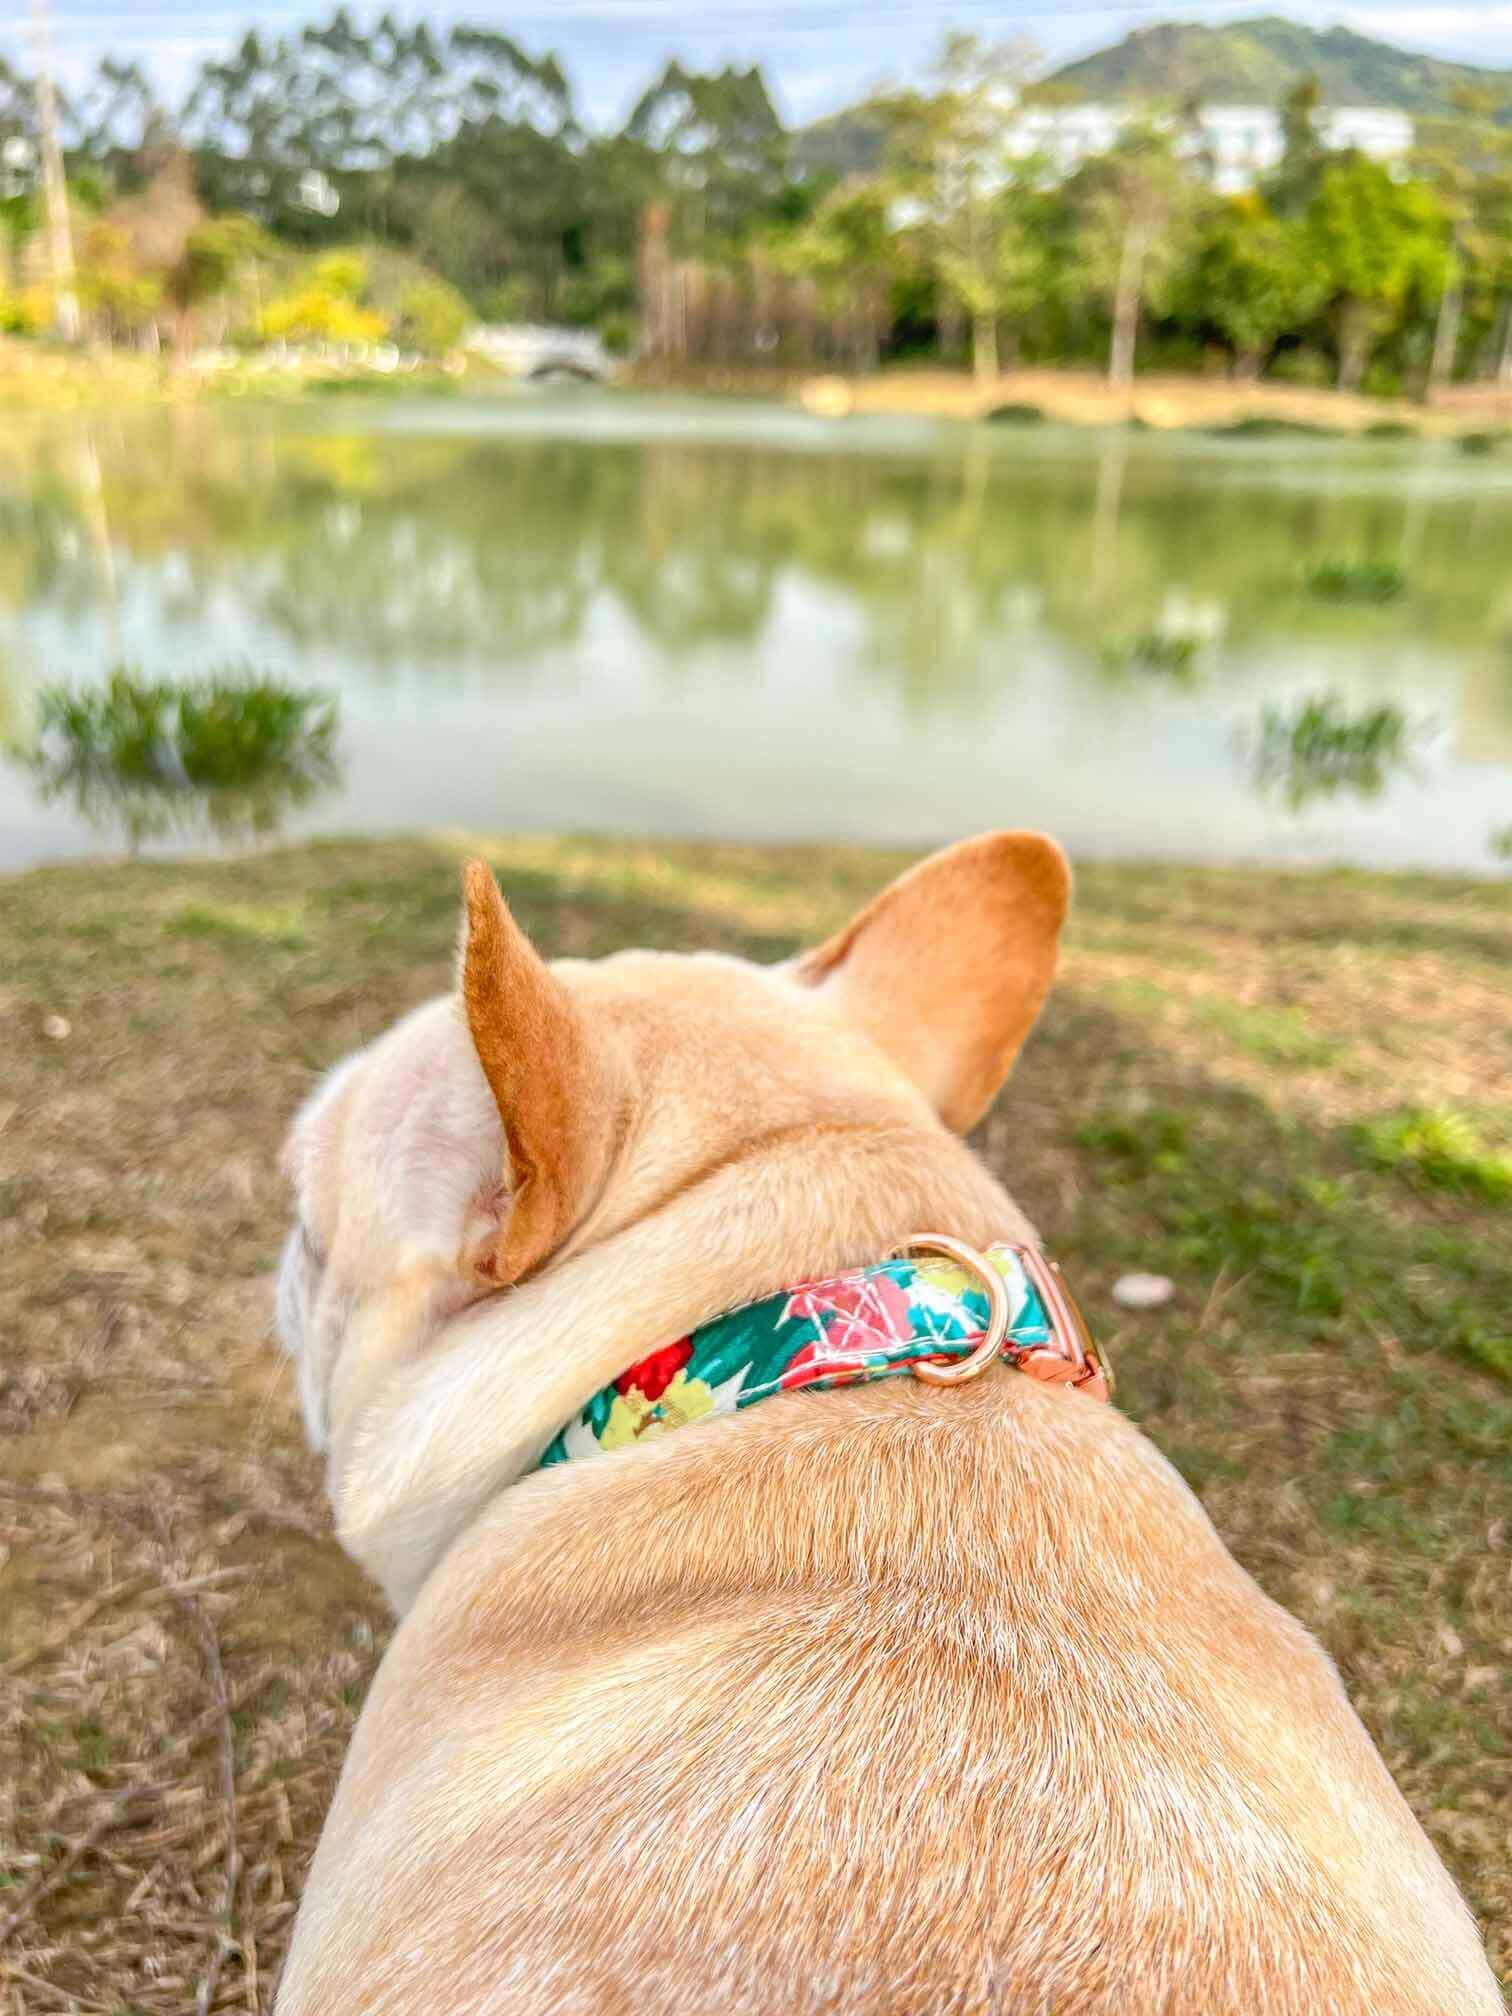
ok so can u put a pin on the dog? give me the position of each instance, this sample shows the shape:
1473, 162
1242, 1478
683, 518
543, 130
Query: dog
900, 1698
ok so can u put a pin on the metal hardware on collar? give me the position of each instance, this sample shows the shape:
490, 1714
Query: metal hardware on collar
1070, 1360
998, 1312
1077, 1363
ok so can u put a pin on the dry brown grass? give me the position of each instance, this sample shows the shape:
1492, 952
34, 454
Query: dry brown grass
182, 1646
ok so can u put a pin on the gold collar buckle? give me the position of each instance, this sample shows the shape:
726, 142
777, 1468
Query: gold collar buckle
1069, 1359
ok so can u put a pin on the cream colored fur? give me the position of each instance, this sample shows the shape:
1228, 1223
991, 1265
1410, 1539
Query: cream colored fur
890, 1700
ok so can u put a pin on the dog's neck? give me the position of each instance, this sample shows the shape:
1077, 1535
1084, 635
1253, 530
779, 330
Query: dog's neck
417, 1456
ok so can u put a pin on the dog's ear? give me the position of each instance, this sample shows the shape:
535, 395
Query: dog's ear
550, 1087
947, 968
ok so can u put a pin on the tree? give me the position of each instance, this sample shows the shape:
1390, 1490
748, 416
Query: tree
1467, 160
1251, 276
964, 171
1374, 241
848, 246
1134, 202
1303, 153
721, 150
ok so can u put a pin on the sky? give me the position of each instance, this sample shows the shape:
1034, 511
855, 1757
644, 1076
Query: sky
817, 54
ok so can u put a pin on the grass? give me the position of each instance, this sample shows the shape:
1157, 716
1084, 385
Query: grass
1153, 651
1015, 413
1317, 748
1369, 581
1288, 1092
226, 753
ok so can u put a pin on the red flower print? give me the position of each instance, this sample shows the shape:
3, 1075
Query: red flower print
655, 1374
856, 1314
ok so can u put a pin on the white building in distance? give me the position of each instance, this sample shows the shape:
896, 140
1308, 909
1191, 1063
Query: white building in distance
1244, 141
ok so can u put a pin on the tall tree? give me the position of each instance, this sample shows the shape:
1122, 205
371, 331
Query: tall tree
722, 150
1135, 202
1467, 160
1375, 242
962, 162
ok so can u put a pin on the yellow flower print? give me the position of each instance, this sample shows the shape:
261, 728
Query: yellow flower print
634, 1418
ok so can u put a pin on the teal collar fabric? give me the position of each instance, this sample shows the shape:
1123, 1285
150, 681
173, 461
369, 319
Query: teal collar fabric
870, 1323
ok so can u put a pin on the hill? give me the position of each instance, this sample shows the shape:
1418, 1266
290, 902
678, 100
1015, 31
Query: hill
1258, 61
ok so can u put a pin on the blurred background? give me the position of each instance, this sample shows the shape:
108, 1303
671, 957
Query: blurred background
759, 424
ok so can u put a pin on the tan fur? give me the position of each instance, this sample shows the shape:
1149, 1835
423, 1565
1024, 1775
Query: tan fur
888, 1700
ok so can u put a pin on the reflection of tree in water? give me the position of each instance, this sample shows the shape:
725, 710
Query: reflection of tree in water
1317, 749
455, 551
229, 755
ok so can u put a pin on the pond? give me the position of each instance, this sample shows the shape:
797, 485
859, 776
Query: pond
599, 611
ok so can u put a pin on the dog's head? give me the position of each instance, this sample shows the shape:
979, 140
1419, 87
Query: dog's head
542, 1109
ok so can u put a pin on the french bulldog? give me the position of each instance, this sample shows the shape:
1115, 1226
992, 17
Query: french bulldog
889, 1700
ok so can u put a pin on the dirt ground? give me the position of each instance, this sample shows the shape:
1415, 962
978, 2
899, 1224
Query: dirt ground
1289, 1092
1173, 399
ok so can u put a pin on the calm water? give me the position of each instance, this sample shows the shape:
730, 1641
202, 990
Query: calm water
593, 611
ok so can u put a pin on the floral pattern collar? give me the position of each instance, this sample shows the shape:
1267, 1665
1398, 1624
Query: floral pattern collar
869, 1323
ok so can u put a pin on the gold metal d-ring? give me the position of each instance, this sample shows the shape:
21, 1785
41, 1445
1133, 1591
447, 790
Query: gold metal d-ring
959, 1370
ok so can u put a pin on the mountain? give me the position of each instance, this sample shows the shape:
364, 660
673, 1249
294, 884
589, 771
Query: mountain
1257, 62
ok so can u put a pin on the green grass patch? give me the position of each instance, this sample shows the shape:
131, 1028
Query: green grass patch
1280, 1036
1015, 413
248, 924
1359, 581
1440, 1149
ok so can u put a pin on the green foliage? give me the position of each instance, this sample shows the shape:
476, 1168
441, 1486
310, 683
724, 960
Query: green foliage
1251, 276
1016, 413
1318, 749
1372, 241
433, 317
1355, 580
230, 750
1440, 1148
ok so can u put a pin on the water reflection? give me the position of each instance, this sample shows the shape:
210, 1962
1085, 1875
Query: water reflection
228, 756
1111, 596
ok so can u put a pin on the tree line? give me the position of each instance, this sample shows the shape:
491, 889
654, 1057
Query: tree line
337, 184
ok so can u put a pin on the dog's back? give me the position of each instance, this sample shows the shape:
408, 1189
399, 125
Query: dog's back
938, 1731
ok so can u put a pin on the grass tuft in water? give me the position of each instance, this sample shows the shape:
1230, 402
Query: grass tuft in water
1355, 580
1152, 651
1319, 749
1016, 413
231, 751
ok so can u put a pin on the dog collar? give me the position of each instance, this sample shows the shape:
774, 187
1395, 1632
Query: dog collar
944, 1318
